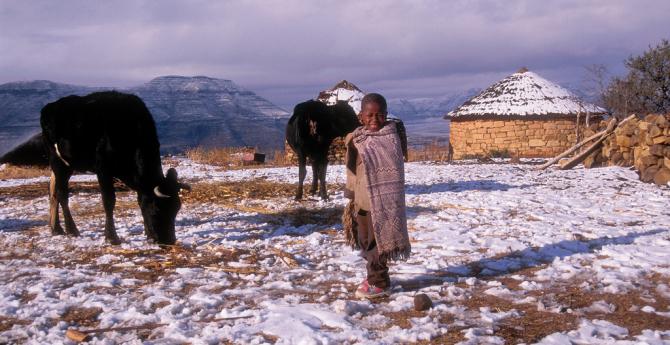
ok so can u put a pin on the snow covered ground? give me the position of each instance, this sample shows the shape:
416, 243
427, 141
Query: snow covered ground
507, 254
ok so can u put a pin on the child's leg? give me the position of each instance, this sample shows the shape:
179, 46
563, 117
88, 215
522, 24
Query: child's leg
378, 271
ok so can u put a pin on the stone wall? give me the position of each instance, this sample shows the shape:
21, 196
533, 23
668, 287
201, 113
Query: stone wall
641, 143
516, 137
335, 153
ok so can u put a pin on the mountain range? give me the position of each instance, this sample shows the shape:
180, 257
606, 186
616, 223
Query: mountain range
208, 112
189, 112
423, 108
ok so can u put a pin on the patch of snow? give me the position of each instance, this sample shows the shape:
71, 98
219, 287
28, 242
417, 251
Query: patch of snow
505, 220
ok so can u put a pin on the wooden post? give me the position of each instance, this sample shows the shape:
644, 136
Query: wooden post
580, 157
600, 136
577, 138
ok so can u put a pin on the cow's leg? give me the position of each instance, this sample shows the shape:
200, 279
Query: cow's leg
323, 191
108, 202
54, 222
315, 176
62, 194
302, 171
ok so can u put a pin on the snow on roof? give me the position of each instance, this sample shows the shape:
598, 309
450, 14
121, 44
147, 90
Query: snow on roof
343, 91
524, 93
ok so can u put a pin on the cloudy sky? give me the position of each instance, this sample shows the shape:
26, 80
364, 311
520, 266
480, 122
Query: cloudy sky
288, 50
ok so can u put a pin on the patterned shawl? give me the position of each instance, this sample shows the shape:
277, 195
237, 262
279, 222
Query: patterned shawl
382, 156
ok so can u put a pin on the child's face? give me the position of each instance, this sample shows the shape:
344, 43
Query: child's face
371, 117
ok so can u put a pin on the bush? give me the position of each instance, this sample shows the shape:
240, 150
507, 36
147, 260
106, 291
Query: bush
646, 87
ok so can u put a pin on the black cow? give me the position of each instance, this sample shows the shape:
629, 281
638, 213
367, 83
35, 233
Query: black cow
113, 135
310, 131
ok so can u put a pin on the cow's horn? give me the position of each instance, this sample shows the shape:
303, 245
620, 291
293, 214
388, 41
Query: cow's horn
158, 193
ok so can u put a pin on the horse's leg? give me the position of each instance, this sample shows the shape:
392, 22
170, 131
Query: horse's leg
302, 171
54, 222
108, 201
62, 194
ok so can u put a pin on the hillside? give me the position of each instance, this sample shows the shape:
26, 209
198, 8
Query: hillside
208, 112
429, 107
20, 105
189, 111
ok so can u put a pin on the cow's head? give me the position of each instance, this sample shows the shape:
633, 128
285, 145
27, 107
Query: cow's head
160, 207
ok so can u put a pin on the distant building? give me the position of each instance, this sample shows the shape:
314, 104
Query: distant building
522, 115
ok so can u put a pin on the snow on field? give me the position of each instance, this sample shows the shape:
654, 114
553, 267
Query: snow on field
506, 253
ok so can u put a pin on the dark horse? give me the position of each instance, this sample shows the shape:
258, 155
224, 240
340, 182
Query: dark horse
310, 131
113, 135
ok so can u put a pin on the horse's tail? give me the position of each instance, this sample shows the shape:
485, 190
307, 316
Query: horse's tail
30, 153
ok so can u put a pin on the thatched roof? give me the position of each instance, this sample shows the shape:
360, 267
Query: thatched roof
523, 94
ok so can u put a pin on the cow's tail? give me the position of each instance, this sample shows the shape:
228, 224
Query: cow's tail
30, 153
300, 123
302, 129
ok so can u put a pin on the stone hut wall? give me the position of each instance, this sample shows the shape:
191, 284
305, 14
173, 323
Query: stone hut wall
518, 137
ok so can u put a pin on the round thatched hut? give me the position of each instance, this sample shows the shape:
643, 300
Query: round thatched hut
522, 115
342, 91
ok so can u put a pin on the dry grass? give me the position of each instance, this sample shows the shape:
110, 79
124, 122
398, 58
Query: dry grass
152, 263
37, 190
228, 157
232, 157
17, 172
626, 313
82, 316
532, 324
435, 152
279, 158
230, 193
6, 322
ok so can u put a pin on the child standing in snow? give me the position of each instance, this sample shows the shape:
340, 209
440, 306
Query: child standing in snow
376, 187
